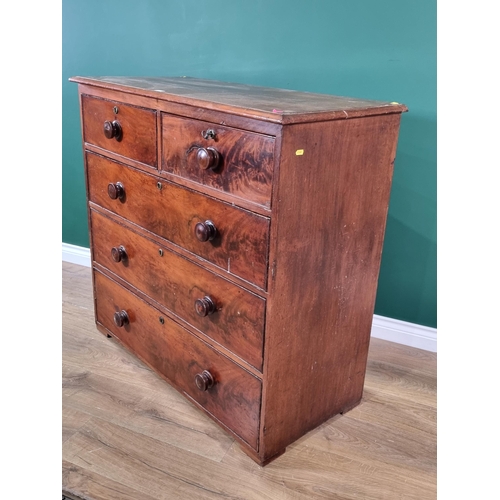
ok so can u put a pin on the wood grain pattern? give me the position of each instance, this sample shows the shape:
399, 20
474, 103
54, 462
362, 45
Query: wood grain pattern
82, 483
277, 105
101, 445
245, 166
119, 401
177, 283
335, 258
179, 356
155, 451
94, 368
179, 109
72, 421
325, 173
176, 423
241, 245
138, 125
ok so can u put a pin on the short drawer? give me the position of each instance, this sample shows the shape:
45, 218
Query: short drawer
226, 391
235, 239
227, 313
127, 130
228, 159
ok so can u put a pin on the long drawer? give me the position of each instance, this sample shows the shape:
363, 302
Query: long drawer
234, 239
222, 388
227, 313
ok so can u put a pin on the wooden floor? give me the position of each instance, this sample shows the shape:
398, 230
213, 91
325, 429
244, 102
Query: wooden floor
128, 435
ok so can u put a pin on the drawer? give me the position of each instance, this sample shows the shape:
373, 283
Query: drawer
131, 130
227, 313
228, 159
236, 239
222, 388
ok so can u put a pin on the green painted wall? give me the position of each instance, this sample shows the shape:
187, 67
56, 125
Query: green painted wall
377, 50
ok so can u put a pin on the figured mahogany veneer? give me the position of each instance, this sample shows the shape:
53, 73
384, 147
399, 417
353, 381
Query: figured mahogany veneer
179, 284
232, 160
233, 398
239, 243
236, 238
127, 130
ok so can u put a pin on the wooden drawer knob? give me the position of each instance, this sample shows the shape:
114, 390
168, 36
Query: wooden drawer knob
208, 158
205, 231
121, 318
118, 253
116, 191
204, 380
113, 130
205, 306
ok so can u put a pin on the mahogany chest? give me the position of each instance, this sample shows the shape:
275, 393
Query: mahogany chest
236, 235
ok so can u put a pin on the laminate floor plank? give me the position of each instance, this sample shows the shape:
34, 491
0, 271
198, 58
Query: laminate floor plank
87, 347
76, 286
402, 355
82, 483
161, 470
178, 425
72, 421
318, 474
127, 434
402, 382
171, 419
188, 430
367, 442
98, 396
391, 411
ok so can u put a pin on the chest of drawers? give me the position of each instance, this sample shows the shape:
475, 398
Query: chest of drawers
236, 235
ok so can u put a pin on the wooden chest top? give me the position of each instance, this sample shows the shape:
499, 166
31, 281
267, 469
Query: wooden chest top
275, 105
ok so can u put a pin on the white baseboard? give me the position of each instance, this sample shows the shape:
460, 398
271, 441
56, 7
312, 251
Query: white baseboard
76, 254
402, 332
394, 330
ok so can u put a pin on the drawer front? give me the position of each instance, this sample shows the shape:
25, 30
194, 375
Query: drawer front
234, 398
133, 137
236, 318
241, 165
240, 245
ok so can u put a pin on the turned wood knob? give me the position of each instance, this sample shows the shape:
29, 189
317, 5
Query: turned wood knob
121, 318
118, 253
205, 231
204, 306
204, 380
113, 130
116, 190
208, 158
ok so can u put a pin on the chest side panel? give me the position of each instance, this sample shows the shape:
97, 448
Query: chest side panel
332, 202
